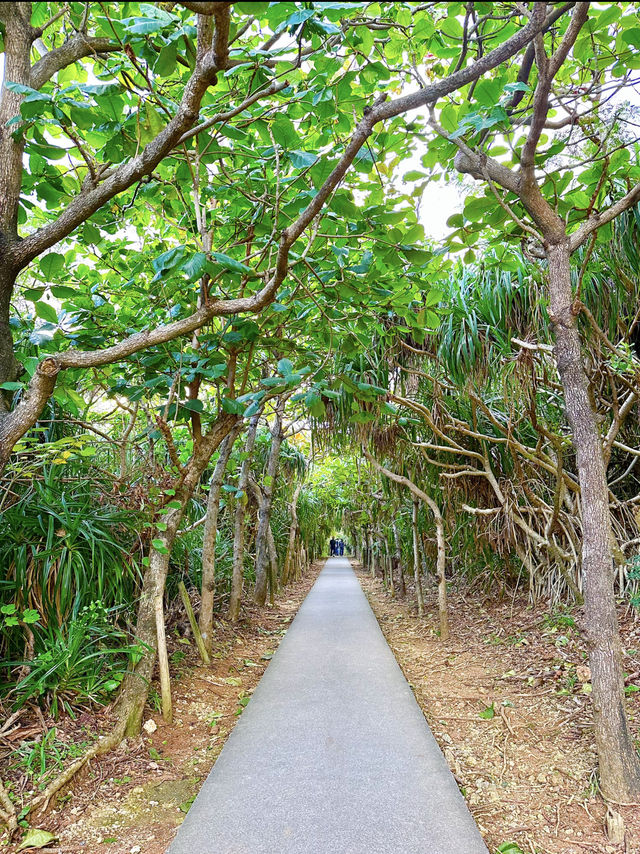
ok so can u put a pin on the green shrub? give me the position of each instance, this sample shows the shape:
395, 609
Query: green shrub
83, 662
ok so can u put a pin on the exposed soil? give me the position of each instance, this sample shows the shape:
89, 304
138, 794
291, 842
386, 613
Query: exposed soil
133, 800
507, 698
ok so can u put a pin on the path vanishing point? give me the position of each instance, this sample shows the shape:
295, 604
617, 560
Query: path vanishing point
332, 755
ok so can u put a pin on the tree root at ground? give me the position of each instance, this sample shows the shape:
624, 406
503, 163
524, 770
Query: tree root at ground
105, 744
127, 719
8, 815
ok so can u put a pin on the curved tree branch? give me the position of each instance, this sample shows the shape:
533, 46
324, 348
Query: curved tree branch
71, 51
87, 203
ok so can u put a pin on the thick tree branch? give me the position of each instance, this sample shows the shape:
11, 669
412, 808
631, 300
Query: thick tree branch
210, 8
220, 118
403, 481
547, 70
86, 204
431, 93
15, 424
71, 51
529, 56
597, 220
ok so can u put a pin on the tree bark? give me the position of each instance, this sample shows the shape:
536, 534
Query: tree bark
293, 529
264, 513
18, 37
397, 559
135, 685
617, 757
161, 641
416, 557
443, 607
10, 368
208, 588
195, 628
437, 515
389, 568
273, 564
237, 579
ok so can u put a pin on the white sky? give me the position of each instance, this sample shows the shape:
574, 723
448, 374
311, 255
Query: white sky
439, 202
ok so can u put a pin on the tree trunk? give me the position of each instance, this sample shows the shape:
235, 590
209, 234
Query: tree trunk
18, 37
237, 579
264, 513
161, 645
273, 565
149, 630
389, 568
293, 529
9, 367
207, 594
617, 758
443, 611
373, 554
397, 559
416, 557
195, 629
426, 575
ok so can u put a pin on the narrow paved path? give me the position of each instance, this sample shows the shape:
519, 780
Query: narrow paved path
332, 755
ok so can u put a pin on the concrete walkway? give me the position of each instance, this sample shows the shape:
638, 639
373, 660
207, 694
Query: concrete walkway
332, 755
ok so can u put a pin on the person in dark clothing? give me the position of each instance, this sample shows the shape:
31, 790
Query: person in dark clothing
340, 547
332, 547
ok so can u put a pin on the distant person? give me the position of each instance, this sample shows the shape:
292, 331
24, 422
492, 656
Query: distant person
340, 547
332, 547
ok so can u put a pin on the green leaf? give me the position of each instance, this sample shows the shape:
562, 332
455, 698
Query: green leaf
232, 406
51, 264
631, 37
302, 159
160, 547
488, 713
27, 91
166, 61
63, 292
36, 838
284, 132
315, 404
196, 266
414, 175
186, 805
46, 312
168, 260
285, 367
33, 294
252, 409
193, 405
230, 263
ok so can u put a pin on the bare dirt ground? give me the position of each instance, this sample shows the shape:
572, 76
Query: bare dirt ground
507, 698
134, 799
